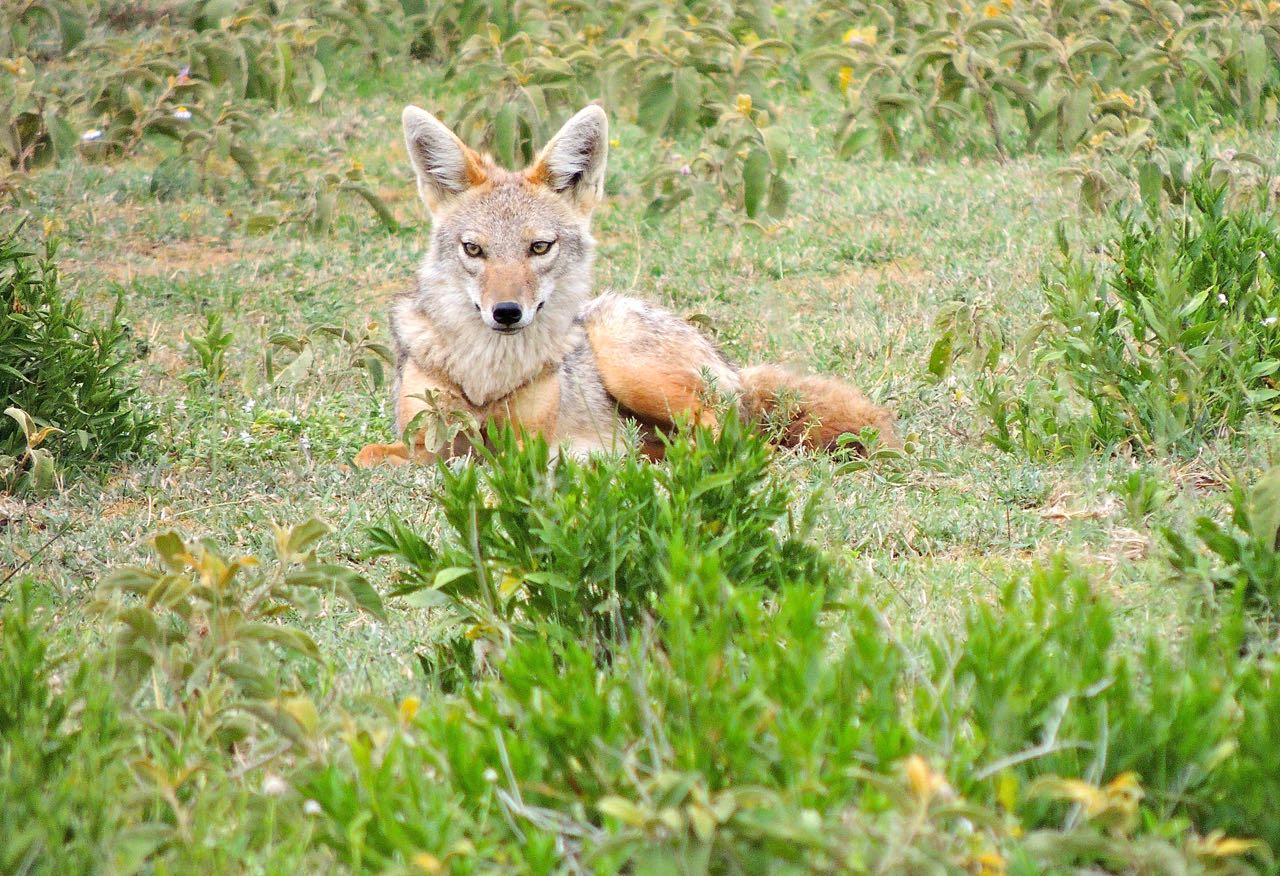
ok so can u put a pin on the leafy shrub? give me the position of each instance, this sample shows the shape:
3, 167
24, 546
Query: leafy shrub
205, 634
1169, 341
942, 76
585, 545
734, 735
62, 776
742, 722
62, 372
1239, 557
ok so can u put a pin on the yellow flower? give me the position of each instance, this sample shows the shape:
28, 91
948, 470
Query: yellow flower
861, 36
744, 104
991, 10
925, 783
614, 143
1215, 845
693, 20
409, 709
846, 78
1125, 99
428, 863
989, 864
1007, 4
1007, 792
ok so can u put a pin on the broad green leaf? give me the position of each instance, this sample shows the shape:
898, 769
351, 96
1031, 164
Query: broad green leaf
755, 181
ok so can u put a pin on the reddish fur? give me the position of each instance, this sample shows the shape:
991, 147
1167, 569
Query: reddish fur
819, 409
656, 387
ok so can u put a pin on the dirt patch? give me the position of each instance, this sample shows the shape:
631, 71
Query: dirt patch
143, 258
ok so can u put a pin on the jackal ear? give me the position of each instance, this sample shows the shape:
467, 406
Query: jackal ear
572, 164
444, 165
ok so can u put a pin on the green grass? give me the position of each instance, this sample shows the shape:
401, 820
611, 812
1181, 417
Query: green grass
848, 283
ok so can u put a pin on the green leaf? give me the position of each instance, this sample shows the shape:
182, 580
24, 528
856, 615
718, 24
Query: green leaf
318, 80
657, 100
172, 550
1265, 509
245, 160
755, 181
623, 810
301, 539
940, 355
504, 135
1151, 185
779, 196
289, 638
447, 576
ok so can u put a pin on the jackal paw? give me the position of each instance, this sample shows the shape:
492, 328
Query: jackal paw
381, 454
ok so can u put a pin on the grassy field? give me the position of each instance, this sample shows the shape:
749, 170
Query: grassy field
980, 581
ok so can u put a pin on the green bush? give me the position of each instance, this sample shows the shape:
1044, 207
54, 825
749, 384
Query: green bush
749, 719
585, 545
61, 370
1241, 556
1172, 339
734, 735
62, 776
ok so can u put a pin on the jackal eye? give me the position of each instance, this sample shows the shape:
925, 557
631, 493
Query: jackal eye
472, 249
540, 247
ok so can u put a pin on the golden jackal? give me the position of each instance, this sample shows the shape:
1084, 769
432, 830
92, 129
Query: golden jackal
500, 323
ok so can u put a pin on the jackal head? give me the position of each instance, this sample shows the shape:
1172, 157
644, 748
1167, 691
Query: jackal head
514, 245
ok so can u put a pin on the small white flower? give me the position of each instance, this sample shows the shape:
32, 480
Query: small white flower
245, 436
1076, 329
274, 786
249, 405
90, 135
181, 406
1095, 314
311, 807
490, 775
182, 114
1222, 299
1270, 321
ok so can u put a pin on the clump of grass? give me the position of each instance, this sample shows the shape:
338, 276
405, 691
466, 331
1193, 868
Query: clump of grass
61, 370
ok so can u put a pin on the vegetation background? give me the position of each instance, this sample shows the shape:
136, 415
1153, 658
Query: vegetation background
1042, 639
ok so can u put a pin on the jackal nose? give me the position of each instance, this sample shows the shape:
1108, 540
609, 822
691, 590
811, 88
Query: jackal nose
507, 313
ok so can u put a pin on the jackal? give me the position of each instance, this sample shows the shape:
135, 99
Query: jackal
500, 323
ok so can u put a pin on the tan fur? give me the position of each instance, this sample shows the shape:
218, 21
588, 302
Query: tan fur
572, 369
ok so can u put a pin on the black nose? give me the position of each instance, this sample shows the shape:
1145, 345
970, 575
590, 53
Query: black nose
507, 313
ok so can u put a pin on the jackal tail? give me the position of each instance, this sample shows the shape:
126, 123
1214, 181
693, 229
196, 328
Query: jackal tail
805, 410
